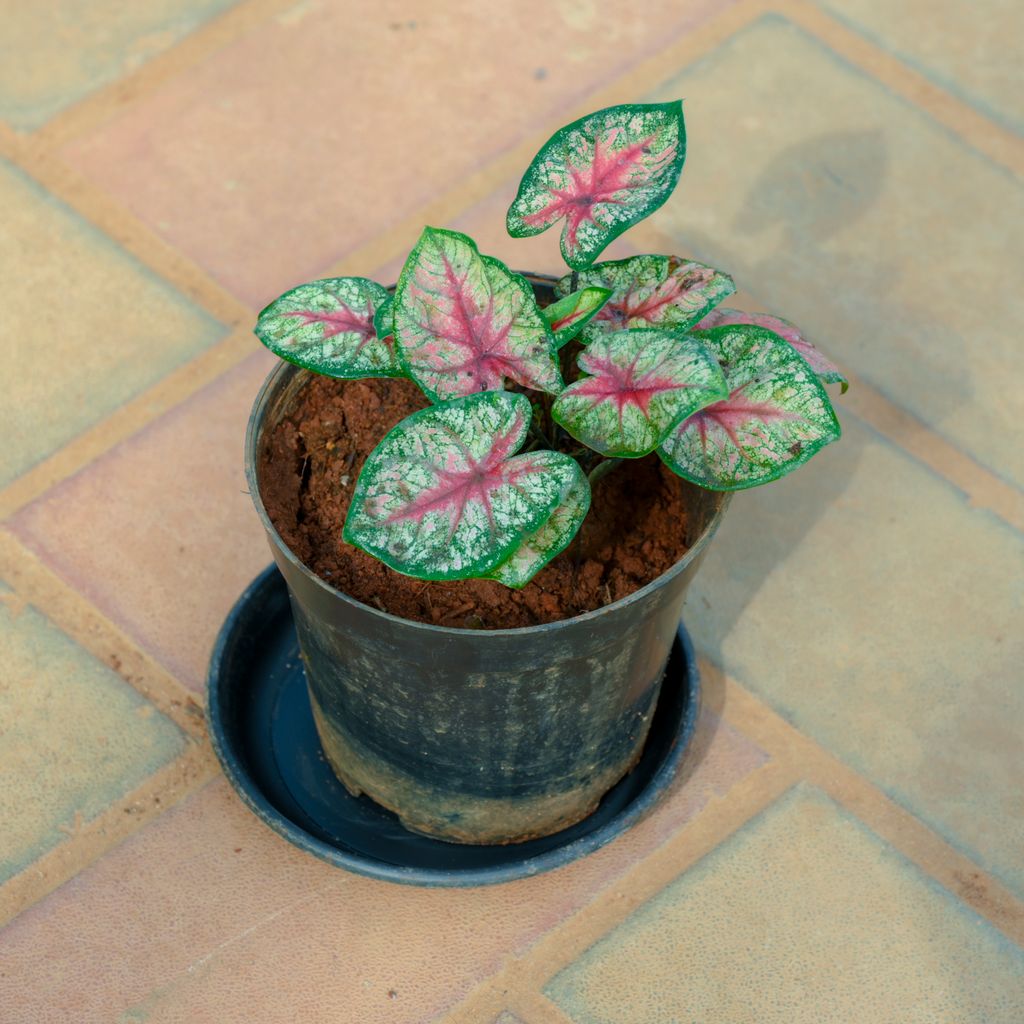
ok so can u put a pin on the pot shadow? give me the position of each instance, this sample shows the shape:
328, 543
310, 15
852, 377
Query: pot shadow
802, 207
817, 188
807, 196
760, 532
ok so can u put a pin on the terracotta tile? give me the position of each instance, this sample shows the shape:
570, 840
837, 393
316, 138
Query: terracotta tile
802, 916
160, 533
880, 613
312, 133
89, 327
54, 54
857, 216
975, 58
206, 914
75, 737
204, 873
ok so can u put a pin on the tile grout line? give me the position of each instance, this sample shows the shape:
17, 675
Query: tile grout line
127, 420
796, 757
36, 584
717, 821
97, 107
901, 829
182, 383
117, 223
560, 946
967, 123
34, 581
983, 488
533, 1007
479, 184
382, 248
1000, 497
742, 709
89, 841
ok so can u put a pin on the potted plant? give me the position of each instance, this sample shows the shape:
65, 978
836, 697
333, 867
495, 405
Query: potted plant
484, 415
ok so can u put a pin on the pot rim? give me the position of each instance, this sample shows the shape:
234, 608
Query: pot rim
252, 430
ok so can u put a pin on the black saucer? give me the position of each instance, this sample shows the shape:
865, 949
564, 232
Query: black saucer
263, 732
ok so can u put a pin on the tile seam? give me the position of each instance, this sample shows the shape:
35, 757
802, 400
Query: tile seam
99, 106
643, 76
160, 792
719, 819
127, 421
529, 971
387, 244
114, 220
898, 425
961, 118
1000, 497
83, 622
956, 872
533, 1007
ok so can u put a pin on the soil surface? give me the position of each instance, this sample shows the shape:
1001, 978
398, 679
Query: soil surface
636, 528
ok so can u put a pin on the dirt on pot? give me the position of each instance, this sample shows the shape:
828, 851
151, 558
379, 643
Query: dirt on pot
308, 466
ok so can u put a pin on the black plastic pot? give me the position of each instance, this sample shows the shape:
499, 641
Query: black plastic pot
479, 736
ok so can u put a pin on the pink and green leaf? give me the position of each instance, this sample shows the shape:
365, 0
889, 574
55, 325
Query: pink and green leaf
775, 417
444, 496
328, 327
820, 363
384, 320
652, 291
552, 538
640, 385
570, 314
601, 175
465, 323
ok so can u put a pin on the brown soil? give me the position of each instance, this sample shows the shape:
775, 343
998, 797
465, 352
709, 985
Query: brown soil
636, 528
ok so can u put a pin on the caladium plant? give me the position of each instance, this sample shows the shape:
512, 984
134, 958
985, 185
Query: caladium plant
530, 402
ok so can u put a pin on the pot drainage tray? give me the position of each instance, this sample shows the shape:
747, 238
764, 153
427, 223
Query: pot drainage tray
262, 729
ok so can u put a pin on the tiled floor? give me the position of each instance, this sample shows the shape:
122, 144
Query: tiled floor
850, 846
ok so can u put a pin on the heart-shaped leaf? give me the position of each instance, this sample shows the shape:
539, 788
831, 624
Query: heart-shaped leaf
601, 174
328, 327
464, 322
384, 320
776, 415
552, 538
442, 498
651, 291
641, 384
820, 363
570, 314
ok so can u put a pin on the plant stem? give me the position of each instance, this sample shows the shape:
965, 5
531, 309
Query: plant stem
548, 426
574, 282
602, 469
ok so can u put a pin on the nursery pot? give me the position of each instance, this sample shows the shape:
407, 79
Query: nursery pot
479, 736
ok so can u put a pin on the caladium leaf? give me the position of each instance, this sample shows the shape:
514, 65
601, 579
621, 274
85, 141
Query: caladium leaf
328, 327
552, 538
570, 314
652, 291
384, 319
601, 174
776, 416
641, 384
464, 322
443, 498
820, 363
